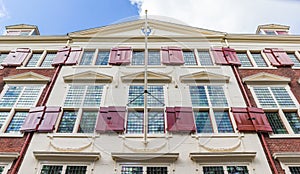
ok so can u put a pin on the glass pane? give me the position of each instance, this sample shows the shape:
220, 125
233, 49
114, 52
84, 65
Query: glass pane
156, 122
154, 58
136, 96
135, 122
102, 58
223, 122
76, 170
237, 169
294, 170
294, 121
67, 122
155, 96
131, 170
87, 58
47, 169
34, 60
282, 96
198, 96
203, 122
138, 58
157, 170
189, 58
87, 122
204, 58
48, 60
75, 95
93, 96
213, 170
294, 59
1, 169
17, 121
217, 96
2, 57
244, 59
3, 116
259, 60
264, 97
276, 123
29, 96
10, 97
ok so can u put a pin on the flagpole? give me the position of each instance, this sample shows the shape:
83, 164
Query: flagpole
146, 80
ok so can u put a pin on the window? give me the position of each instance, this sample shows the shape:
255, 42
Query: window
285, 119
244, 59
138, 58
205, 58
102, 58
33, 61
259, 60
154, 57
225, 170
189, 58
19, 32
47, 62
94, 57
275, 32
210, 109
295, 59
81, 103
144, 169
41, 59
14, 100
2, 57
135, 117
294, 169
63, 169
87, 58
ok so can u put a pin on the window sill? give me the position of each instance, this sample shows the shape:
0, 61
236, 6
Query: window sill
35, 68
92, 66
218, 135
284, 135
149, 136
251, 68
12, 135
149, 66
71, 135
199, 66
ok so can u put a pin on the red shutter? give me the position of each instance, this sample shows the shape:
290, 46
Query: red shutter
111, 119
16, 58
74, 56
282, 57
120, 56
259, 120
171, 119
219, 56
242, 119
176, 56
61, 56
49, 119
185, 119
270, 56
165, 55
33, 119
230, 55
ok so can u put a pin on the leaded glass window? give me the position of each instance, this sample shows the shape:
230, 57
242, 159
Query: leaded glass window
294, 121
143, 170
67, 122
223, 122
203, 96
2, 57
259, 60
225, 170
237, 170
295, 59
138, 58
3, 116
135, 122
189, 58
294, 170
102, 58
244, 59
276, 123
51, 169
154, 58
157, 170
2, 169
76, 169
48, 60
87, 58
217, 96
203, 122
33, 61
16, 122
213, 170
63, 169
155, 96
131, 170
205, 58
87, 122
282, 97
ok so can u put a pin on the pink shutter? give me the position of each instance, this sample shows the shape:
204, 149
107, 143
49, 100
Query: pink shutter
230, 55
16, 58
282, 32
171, 119
74, 56
61, 56
219, 56
242, 119
270, 56
259, 120
176, 56
165, 55
49, 119
113, 56
185, 119
33, 119
282, 57
120, 56
111, 119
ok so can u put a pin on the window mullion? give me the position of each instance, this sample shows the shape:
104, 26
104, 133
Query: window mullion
285, 121
274, 98
84, 95
77, 122
41, 59
213, 120
95, 57
21, 93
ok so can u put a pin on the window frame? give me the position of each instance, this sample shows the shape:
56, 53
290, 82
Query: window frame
64, 164
40, 61
210, 54
144, 166
297, 56
225, 165
95, 56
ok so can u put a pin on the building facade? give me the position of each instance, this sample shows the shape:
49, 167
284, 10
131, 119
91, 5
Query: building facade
216, 102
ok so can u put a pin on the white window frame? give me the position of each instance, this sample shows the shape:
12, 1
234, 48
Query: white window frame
64, 164
145, 165
31, 31
6, 165
40, 61
95, 56
210, 54
195, 52
224, 165
250, 52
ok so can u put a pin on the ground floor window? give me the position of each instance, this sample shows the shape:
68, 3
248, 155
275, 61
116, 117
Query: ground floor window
144, 170
230, 169
294, 169
64, 169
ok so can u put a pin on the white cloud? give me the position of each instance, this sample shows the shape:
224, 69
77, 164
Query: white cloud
233, 16
3, 11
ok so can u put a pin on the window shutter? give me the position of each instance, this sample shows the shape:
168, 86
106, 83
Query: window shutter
259, 120
165, 55
219, 56
176, 56
74, 56
49, 119
33, 119
272, 59
61, 56
185, 119
16, 58
119, 56
242, 119
111, 119
171, 119
282, 57
230, 55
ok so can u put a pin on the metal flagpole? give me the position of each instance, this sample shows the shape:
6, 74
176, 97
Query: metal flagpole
146, 80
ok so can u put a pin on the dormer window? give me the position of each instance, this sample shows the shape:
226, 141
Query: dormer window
22, 30
273, 29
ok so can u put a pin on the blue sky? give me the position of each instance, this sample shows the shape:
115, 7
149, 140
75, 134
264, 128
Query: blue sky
59, 17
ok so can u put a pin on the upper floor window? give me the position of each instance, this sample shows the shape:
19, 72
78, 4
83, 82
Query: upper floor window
259, 60
2, 57
295, 59
274, 32
229, 169
204, 58
94, 57
244, 59
41, 59
189, 58
19, 32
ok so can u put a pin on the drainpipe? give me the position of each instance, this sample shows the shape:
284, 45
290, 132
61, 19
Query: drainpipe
30, 134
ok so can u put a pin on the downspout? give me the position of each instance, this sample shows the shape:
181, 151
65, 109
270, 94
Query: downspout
30, 134
248, 103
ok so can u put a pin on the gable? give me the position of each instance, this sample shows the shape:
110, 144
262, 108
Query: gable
203, 76
266, 78
28, 77
152, 77
88, 77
